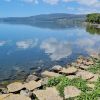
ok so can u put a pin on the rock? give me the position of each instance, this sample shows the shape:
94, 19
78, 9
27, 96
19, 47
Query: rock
26, 93
48, 94
91, 85
2, 96
44, 81
94, 79
50, 74
95, 55
5, 91
32, 77
79, 61
32, 85
71, 76
16, 86
84, 67
89, 63
16, 97
85, 74
68, 71
71, 91
57, 68
73, 64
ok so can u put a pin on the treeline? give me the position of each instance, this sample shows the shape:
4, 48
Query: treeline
93, 18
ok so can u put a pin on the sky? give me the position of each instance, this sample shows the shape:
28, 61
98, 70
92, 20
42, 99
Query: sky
18, 8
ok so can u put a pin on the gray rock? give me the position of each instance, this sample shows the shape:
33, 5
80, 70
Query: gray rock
44, 81
57, 68
32, 77
26, 93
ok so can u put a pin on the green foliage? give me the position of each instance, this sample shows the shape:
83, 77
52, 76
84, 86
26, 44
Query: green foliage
56, 80
61, 82
92, 30
80, 84
93, 18
95, 68
88, 96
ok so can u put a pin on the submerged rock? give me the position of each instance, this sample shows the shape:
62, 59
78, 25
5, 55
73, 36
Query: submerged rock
48, 94
71, 91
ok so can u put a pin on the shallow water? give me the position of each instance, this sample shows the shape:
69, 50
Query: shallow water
24, 49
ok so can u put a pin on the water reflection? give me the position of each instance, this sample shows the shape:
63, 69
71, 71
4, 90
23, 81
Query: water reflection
90, 45
2, 43
56, 49
25, 44
93, 30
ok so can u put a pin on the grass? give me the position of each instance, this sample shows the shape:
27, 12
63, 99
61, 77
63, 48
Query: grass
87, 93
61, 82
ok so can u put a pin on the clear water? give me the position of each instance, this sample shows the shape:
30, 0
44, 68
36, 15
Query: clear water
25, 49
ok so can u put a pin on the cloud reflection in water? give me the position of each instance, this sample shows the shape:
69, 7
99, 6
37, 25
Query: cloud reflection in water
25, 44
56, 49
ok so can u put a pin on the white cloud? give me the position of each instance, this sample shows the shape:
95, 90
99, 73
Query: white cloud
31, 1
85, 2
52, 2
56, 49
26, 44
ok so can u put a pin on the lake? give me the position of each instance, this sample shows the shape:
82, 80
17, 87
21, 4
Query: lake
26, 49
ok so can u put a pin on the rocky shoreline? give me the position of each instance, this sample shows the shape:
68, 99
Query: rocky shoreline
76, 81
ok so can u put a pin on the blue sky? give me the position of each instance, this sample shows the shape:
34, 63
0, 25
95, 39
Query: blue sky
34, 7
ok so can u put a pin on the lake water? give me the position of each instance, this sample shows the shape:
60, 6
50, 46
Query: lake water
25, 49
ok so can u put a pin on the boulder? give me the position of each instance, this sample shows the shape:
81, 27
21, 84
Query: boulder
49, 94
89, 63
91, 85
32, 77
2, 96
16, 97
44, 81
50, 74
57, 68
68, 71
26, 93
94, 79
71, 91
32, 85
16, 86
85, 74
84, 66
71, 76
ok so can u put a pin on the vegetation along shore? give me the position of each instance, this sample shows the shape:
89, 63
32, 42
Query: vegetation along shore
94, 20
79, 80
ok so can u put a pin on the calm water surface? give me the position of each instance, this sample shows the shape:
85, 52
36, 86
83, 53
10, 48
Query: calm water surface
24, 49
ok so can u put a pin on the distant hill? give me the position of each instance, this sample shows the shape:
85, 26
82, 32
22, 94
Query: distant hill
58, 19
